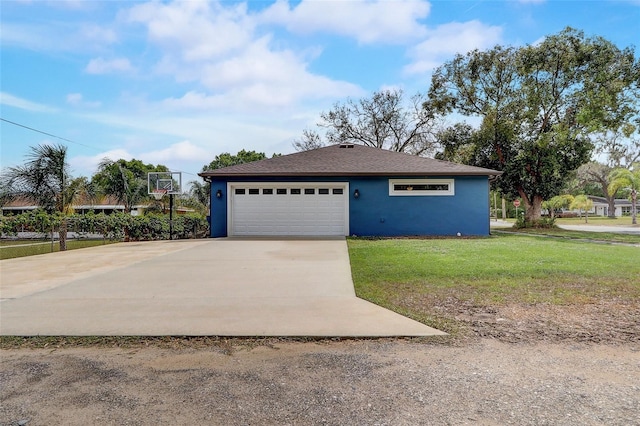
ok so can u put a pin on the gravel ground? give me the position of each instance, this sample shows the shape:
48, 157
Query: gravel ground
481, 381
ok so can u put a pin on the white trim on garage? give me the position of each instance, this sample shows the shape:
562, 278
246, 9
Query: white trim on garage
264, 209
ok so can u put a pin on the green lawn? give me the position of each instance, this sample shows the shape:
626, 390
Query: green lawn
13, 249
416, 276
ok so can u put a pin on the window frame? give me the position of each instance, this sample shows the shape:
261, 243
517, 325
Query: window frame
416, 193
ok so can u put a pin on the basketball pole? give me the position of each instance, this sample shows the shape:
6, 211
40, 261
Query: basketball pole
170, 216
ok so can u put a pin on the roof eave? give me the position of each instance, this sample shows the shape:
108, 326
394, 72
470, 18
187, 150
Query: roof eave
345, 174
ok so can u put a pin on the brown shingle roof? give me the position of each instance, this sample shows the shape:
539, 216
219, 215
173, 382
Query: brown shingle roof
351, 160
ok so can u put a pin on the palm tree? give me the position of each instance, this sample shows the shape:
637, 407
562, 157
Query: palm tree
556, 203
200, 191
628, 180
582, 202
115, 179
44, 180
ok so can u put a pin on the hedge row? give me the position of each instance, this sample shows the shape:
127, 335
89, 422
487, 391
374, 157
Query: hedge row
116, 226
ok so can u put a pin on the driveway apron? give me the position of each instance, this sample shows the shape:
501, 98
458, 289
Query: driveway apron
220, 287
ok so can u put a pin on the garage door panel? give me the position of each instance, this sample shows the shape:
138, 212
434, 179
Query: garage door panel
316, 210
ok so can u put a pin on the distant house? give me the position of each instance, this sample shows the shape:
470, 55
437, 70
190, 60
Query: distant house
107, 205
622, 206
349, 189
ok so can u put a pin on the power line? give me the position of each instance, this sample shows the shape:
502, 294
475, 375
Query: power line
67, 140
45, 133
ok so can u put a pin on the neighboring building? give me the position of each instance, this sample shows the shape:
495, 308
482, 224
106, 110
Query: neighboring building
601, 207
349, 189
107, 205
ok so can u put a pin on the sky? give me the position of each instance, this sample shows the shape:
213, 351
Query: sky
177, 83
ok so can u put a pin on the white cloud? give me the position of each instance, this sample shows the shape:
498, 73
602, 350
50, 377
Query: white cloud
97, 34
264, 77
28, 36
77, 100
447, 40
88, 165
195, 30
368, 21
103, 66
193, 101
16, 102
181, 151
57, 36
71, 4
218, 46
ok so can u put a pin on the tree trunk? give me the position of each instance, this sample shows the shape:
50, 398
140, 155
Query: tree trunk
126, 231
533, 208
611, 201
634, 212
63, 234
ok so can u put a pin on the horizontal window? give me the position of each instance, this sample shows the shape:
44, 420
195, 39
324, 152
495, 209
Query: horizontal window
338, 191
309, 191
267, 191
412, 187
239, 191
254, 191
421, 187
295, 191
281, 191
323, 191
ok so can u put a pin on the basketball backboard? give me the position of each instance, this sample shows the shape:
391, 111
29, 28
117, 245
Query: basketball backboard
164, 182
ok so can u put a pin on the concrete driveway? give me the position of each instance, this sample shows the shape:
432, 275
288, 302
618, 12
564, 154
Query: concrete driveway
223, 287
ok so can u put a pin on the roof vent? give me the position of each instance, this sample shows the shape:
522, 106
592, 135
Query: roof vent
346, 145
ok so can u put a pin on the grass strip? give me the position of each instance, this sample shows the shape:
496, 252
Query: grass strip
32, 248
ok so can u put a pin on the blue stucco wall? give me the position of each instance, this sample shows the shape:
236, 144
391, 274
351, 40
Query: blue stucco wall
218, 209
375, 213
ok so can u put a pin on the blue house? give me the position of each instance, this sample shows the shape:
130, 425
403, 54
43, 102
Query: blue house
349, 189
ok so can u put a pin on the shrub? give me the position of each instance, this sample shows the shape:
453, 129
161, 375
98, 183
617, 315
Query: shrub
543, 223
112, 226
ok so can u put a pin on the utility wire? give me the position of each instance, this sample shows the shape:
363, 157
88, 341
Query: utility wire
67, 140
45, 133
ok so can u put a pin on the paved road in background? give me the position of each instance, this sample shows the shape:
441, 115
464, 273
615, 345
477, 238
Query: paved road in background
635, 230
598, 228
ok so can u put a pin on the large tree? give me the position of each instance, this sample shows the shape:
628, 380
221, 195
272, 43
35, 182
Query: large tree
385, 120
456, 143
539, 106
203, 191
226, 159
124, 180
309, 140
45, 180
620, 147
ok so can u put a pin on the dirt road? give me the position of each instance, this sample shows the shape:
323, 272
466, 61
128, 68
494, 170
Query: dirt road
354, 382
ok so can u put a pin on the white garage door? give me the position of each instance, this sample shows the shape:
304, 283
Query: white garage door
288, 209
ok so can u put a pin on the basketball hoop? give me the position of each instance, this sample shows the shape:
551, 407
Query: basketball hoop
159, 193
